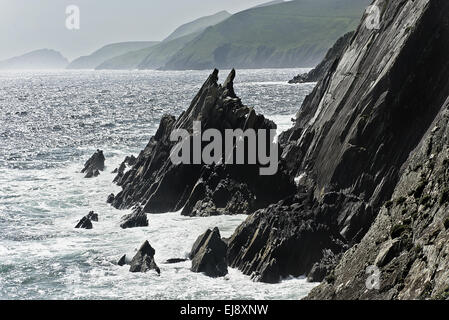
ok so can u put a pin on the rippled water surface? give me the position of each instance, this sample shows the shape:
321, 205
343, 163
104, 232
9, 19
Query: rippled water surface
50, 123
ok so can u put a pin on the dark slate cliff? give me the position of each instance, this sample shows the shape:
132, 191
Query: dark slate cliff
409, 241
350, 144
334, 54
158, 185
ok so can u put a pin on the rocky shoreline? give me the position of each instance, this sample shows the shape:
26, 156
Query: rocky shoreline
363, 175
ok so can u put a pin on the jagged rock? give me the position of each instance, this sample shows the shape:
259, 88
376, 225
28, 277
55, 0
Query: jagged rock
123, 261
301, 78
94, 165
143, 261
134, 220
84, 223
110, 198
120, 171
333, 55
160, 186
200, 241
208, 254
286, 239
130, 160
93, 216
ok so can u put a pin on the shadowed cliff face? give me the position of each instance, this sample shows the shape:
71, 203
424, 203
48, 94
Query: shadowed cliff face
158, 185
352, 139
382, 97
409, 241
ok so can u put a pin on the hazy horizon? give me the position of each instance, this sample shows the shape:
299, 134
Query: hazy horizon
31, 25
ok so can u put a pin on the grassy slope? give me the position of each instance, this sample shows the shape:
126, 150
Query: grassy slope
158, 55
198, 25
107, 52
291, 34
149, 58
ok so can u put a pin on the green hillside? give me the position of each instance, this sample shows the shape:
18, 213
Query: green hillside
198, 25
149, 58
157, 56
291, 34
107, 52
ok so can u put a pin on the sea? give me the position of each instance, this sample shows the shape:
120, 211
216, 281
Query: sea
51, 122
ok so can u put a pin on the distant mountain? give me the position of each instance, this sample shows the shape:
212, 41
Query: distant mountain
150, 58
289, 34
107, 52
269, 3
158, 55
198, 25
38, 59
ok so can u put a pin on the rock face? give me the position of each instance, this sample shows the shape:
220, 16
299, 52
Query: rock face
160, 186
286, 239
332, 56
209, 254
143, 261
409, 241
94, 165
350, 148
134, 220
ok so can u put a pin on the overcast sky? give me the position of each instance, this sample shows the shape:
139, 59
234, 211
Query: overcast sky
27, 25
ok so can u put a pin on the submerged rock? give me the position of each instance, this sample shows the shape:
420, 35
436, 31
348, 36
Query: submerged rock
175, 260
134, 220
84, 223
110, 198
143, 261
123, 261
94, 165
209, 254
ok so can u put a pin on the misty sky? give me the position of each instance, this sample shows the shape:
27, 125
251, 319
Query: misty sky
27, 25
